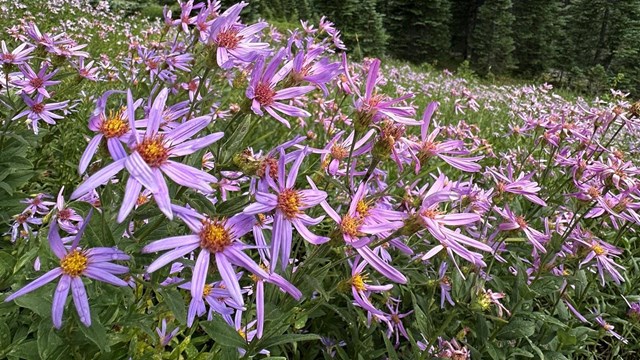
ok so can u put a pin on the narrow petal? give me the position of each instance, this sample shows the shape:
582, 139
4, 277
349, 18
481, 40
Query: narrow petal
99, 178
80, 300
199, 277
88, 153
171, 243
170, 256
229, 276
131, 193
97, 274
59, 299
139, 169
37, 283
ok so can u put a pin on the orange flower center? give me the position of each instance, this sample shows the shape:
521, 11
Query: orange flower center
359, 281
289, 203
339, 152
599, 250
114, 125
153, 151
213, 236
349, 225
521, 222
363, 208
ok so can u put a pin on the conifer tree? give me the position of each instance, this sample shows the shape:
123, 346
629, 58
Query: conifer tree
492, 40
360, 23
419, 31
536, 34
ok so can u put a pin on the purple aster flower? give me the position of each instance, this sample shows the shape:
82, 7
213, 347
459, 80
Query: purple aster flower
373, 107
306, 66
436, 223
150, 158
604, 255
163, 337
262, 93
36, 82
336, 151
67, 218
75, 262
394, 320
361, 289
18, 56
20, 226
445, 285
234, 41
113, 127
428, 147
289, 204
514, 222
217, 296
217, 237
608, 327
521, 186
38, 205
354, 227
87, 71
38, 110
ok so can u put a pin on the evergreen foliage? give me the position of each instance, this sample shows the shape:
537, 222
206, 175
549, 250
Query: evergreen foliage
492, 39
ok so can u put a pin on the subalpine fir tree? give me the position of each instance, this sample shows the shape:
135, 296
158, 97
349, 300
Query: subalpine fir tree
419, 31
492, 40
360, 23
536, 34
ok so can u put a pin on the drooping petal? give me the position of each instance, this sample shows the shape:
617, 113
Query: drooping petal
229, 276
199, 277
98, 179
59, 299
131, 193
80, 300
37, 283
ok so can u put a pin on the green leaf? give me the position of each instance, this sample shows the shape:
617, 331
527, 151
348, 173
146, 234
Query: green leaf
175, 303
222, 333
36, 303
27, 350
96, 333
517, 329
233, 205
48, 340
391, 352
286, 339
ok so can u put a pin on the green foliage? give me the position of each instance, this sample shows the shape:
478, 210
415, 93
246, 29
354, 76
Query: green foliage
492, 39
419, 31
360, 23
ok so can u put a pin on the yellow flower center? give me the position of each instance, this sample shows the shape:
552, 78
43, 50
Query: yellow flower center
242, 333
74, 263
289, 203
153, 151
363, 208
349, 225
114, 125
207, 290
358, 281
599, 250
213, 236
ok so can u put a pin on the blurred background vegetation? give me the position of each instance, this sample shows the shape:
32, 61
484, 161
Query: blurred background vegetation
586, 46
